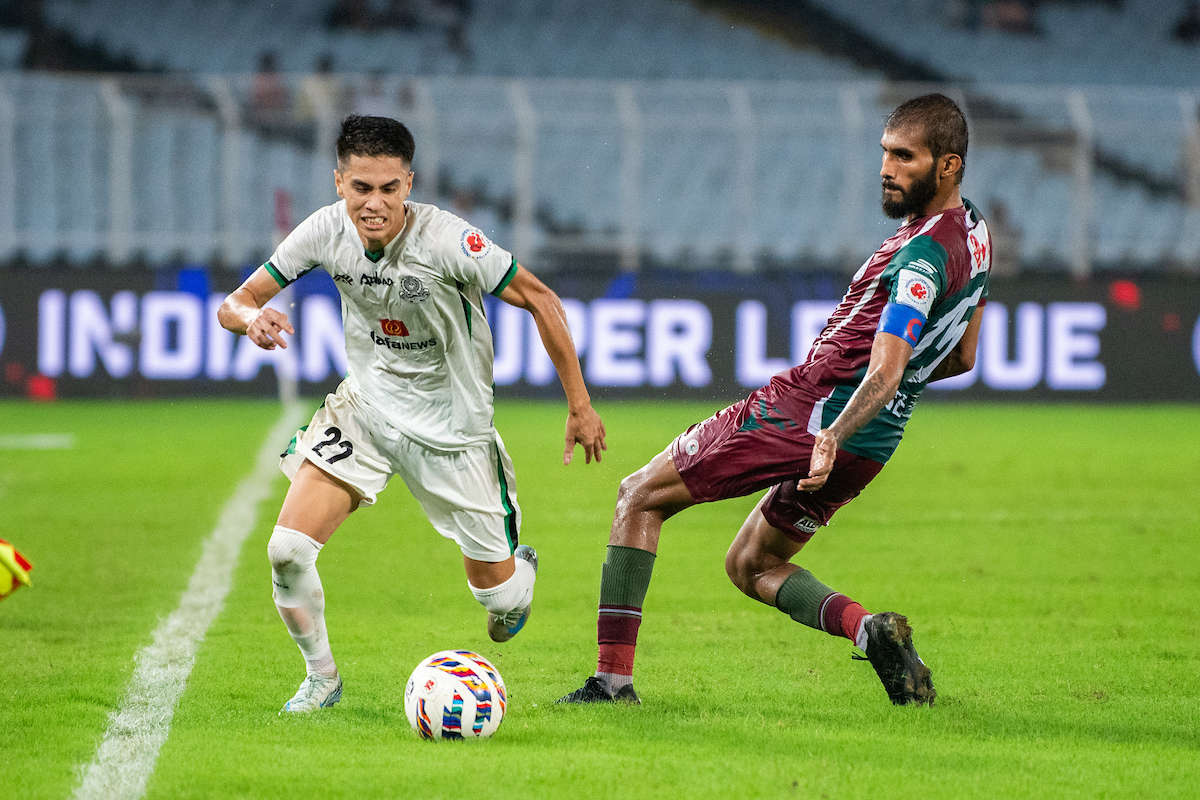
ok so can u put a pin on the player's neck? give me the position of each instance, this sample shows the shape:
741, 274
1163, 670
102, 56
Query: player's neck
952, 199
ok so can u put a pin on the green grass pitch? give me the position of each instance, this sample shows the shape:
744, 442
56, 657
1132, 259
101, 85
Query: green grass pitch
1047, 557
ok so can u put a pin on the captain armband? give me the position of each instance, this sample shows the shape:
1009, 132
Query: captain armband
903, 321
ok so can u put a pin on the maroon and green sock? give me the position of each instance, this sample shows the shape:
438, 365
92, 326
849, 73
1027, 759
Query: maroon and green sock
808, 601
624, 580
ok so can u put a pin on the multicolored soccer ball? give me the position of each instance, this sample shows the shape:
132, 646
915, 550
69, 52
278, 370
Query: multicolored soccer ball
14, 570
455, 694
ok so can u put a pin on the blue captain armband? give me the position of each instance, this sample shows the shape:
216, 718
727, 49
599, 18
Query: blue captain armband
903, 321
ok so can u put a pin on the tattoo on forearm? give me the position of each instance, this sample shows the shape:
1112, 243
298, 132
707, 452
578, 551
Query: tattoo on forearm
871, 396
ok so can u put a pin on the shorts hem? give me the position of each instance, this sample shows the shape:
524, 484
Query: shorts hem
790, 531
290, 465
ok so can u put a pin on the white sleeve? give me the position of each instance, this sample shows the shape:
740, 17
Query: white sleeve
300, 251
470, 257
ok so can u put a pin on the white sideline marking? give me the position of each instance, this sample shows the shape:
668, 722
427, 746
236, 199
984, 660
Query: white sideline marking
139, 727
37, 441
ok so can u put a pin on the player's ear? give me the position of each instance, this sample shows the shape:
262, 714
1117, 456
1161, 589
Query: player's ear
951, 163
337, 182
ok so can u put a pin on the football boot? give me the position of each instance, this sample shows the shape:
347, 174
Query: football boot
890, 651
593, 691
317, 691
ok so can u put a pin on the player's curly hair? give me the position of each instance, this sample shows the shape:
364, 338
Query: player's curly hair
943, 121
374, 136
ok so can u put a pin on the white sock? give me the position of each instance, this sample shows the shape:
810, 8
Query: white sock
614, 682
299, 597
860, 636
513, 595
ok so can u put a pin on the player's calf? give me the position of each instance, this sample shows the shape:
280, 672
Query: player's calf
299, 598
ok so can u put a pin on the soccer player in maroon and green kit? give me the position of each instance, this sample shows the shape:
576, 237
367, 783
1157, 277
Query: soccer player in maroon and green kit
818, 433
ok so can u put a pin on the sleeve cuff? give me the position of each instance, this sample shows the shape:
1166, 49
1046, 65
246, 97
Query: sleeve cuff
276, 274
507, 279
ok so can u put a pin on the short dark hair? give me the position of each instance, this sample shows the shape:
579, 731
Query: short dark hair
374, 136
943, 122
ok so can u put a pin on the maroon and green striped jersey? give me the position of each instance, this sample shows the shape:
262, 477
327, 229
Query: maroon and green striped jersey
945, 259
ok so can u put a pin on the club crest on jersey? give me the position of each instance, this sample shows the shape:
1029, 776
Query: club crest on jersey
393, 327
412, 289
475, 244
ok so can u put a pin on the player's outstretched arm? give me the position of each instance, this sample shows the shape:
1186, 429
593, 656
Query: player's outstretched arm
243, 312
584, 426
889, 357
962, 358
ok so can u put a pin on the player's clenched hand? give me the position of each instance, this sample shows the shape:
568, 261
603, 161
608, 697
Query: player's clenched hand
823, 455
268, 328
584, 428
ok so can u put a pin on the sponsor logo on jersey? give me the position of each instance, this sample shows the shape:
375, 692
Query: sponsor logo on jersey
374, 280
392, 344
901, 406
915, 291
412, 289
393, 327
342, 278
475, 244
691, 447
806, 525
981, 257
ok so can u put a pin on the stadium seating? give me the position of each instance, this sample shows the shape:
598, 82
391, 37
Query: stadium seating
1140, 95
645, 39
1074, 46
12, 48
773, 169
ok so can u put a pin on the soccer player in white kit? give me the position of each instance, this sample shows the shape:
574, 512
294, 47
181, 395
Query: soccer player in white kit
417, 398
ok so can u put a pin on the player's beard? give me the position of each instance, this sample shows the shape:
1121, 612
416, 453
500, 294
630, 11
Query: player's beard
913, 200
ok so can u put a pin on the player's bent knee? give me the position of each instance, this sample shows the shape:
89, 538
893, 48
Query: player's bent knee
739, 569
291, 551
635, 494
293, 558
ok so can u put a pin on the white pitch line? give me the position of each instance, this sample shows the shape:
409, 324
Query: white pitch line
139, 727
37, 441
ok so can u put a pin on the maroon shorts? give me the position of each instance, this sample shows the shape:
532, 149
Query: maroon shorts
753, 444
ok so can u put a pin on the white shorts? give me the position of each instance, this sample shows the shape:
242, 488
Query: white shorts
468, 495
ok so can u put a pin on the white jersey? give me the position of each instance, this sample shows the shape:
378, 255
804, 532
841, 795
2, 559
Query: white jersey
418, 345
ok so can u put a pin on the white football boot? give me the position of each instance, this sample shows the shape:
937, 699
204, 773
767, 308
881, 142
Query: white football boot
317, 691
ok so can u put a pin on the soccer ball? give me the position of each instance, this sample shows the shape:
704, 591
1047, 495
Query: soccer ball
455, 694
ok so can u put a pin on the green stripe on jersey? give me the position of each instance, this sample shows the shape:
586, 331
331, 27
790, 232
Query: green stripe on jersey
465, 304
510, 514
923, 254
507, 279
277, 275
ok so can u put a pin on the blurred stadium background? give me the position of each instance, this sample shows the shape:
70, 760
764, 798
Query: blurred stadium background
696, 177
